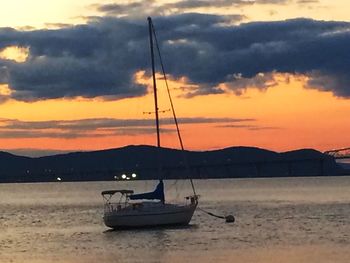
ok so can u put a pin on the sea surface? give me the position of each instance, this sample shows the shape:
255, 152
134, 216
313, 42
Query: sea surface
277, 220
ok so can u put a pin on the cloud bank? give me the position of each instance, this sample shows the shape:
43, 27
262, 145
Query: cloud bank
101, 58
100, 127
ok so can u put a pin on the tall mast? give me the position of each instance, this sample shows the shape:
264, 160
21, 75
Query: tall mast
153, 33
150, 27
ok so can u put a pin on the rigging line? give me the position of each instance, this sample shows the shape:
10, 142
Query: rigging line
171, 101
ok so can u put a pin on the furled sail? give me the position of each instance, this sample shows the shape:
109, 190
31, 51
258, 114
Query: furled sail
157, 194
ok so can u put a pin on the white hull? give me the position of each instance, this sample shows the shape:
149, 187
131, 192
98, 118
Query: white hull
150, 215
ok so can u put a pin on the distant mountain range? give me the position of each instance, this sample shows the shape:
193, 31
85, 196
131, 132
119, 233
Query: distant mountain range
233, 162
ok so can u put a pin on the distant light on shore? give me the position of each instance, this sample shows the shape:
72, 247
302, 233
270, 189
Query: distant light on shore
59, 179
126, 176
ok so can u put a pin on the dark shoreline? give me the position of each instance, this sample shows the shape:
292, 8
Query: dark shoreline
109, 165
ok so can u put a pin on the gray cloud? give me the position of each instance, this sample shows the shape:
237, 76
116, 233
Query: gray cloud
154, 8
36, 152
276, 2
337, 82
86, 60
17, 134
251, 127
100, 58
238, 84
96, 127
88, 124
308, 1
74, 134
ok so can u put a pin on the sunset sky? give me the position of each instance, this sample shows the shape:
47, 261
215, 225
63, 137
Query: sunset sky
75, 74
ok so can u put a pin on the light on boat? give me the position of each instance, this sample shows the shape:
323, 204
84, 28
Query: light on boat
123, 176
59, 179
127, 178
115, 177
133, 175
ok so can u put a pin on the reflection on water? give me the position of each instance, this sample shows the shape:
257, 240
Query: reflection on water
277, 220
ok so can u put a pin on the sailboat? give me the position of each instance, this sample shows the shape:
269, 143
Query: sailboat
149, 209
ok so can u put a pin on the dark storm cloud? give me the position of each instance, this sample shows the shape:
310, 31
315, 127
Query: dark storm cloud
250, 52
86, 60
99, 59
102, 127
3, 73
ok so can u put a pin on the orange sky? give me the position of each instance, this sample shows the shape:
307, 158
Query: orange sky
287, 116
284, 117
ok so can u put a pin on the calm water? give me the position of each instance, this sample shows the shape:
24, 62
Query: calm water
277, 220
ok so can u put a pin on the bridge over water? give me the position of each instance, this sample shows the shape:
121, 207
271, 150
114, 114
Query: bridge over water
343, 153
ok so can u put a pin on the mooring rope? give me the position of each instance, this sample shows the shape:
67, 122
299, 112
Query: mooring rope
228, 218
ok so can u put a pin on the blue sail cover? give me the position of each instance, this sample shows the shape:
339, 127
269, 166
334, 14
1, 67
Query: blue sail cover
158, 193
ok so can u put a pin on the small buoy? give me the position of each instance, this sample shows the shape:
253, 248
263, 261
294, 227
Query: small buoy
230, 219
